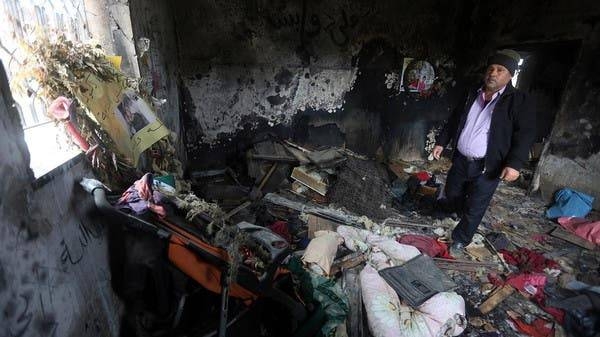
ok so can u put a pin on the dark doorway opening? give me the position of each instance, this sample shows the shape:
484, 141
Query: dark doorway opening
544, 73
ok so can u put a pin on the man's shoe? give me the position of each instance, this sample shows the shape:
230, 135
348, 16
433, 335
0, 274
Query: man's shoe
457, 250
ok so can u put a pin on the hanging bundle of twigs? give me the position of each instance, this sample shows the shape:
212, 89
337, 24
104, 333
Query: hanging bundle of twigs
54, 67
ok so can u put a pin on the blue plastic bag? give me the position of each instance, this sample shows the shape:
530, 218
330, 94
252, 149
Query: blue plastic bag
568, 202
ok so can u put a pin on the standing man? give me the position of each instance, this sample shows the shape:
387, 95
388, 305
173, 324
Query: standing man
491, 133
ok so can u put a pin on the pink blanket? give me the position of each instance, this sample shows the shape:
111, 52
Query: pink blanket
589, 230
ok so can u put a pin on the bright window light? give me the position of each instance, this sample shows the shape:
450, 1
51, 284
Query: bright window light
48, 147
515, 78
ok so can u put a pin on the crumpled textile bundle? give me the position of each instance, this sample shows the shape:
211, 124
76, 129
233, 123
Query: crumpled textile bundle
427, 245
528, 260
140, 198
281, 228
531, 278
441, 315
568, 202
538, 328
391, 252
531, 283
589, 230
327, 292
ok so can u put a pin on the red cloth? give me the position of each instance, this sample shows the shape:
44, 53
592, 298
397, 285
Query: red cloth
528, 261
589, 230
520, 281
281, 228
531, 265
539, 328
538, 280
426, 245
558, 314
423, 175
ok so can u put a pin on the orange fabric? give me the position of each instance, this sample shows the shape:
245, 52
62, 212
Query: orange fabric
201, 271
208, 275
182, 235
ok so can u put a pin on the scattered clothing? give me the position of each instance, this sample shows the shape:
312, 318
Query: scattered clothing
327, 292
570, 203
531, 278
426, 245
533, 284
529, 283
423, 176
528, 261
539, 328
589, 230
140, 198
281, 228
384, 252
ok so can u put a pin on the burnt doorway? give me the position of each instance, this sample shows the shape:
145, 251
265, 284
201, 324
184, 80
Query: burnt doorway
544, 72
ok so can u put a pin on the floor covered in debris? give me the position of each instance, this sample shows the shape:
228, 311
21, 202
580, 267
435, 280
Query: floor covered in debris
260, 168
516, 278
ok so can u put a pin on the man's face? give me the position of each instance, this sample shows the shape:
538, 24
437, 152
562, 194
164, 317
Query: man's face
496, 77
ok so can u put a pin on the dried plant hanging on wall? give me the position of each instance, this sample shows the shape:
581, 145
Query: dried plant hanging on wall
109, 113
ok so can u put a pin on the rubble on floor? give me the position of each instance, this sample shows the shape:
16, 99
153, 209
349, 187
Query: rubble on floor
369, 246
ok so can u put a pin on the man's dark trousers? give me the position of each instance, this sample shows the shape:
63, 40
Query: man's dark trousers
469, 190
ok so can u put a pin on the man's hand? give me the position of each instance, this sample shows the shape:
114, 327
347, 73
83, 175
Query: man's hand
509, 174
437, 152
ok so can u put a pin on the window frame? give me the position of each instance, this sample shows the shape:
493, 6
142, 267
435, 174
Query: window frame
52, 21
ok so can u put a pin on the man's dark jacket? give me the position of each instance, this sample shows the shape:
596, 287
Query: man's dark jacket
512, 129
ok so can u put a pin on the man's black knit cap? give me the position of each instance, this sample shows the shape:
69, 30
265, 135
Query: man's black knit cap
507, 58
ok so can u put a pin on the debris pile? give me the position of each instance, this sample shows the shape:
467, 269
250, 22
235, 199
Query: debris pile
308, 240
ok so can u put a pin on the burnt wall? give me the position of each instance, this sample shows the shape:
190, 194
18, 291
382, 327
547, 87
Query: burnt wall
153, 26
572, 155
108, 23
254, 66
54, 264
307, 67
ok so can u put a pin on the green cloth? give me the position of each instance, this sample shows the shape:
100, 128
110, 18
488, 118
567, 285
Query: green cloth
326, 291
